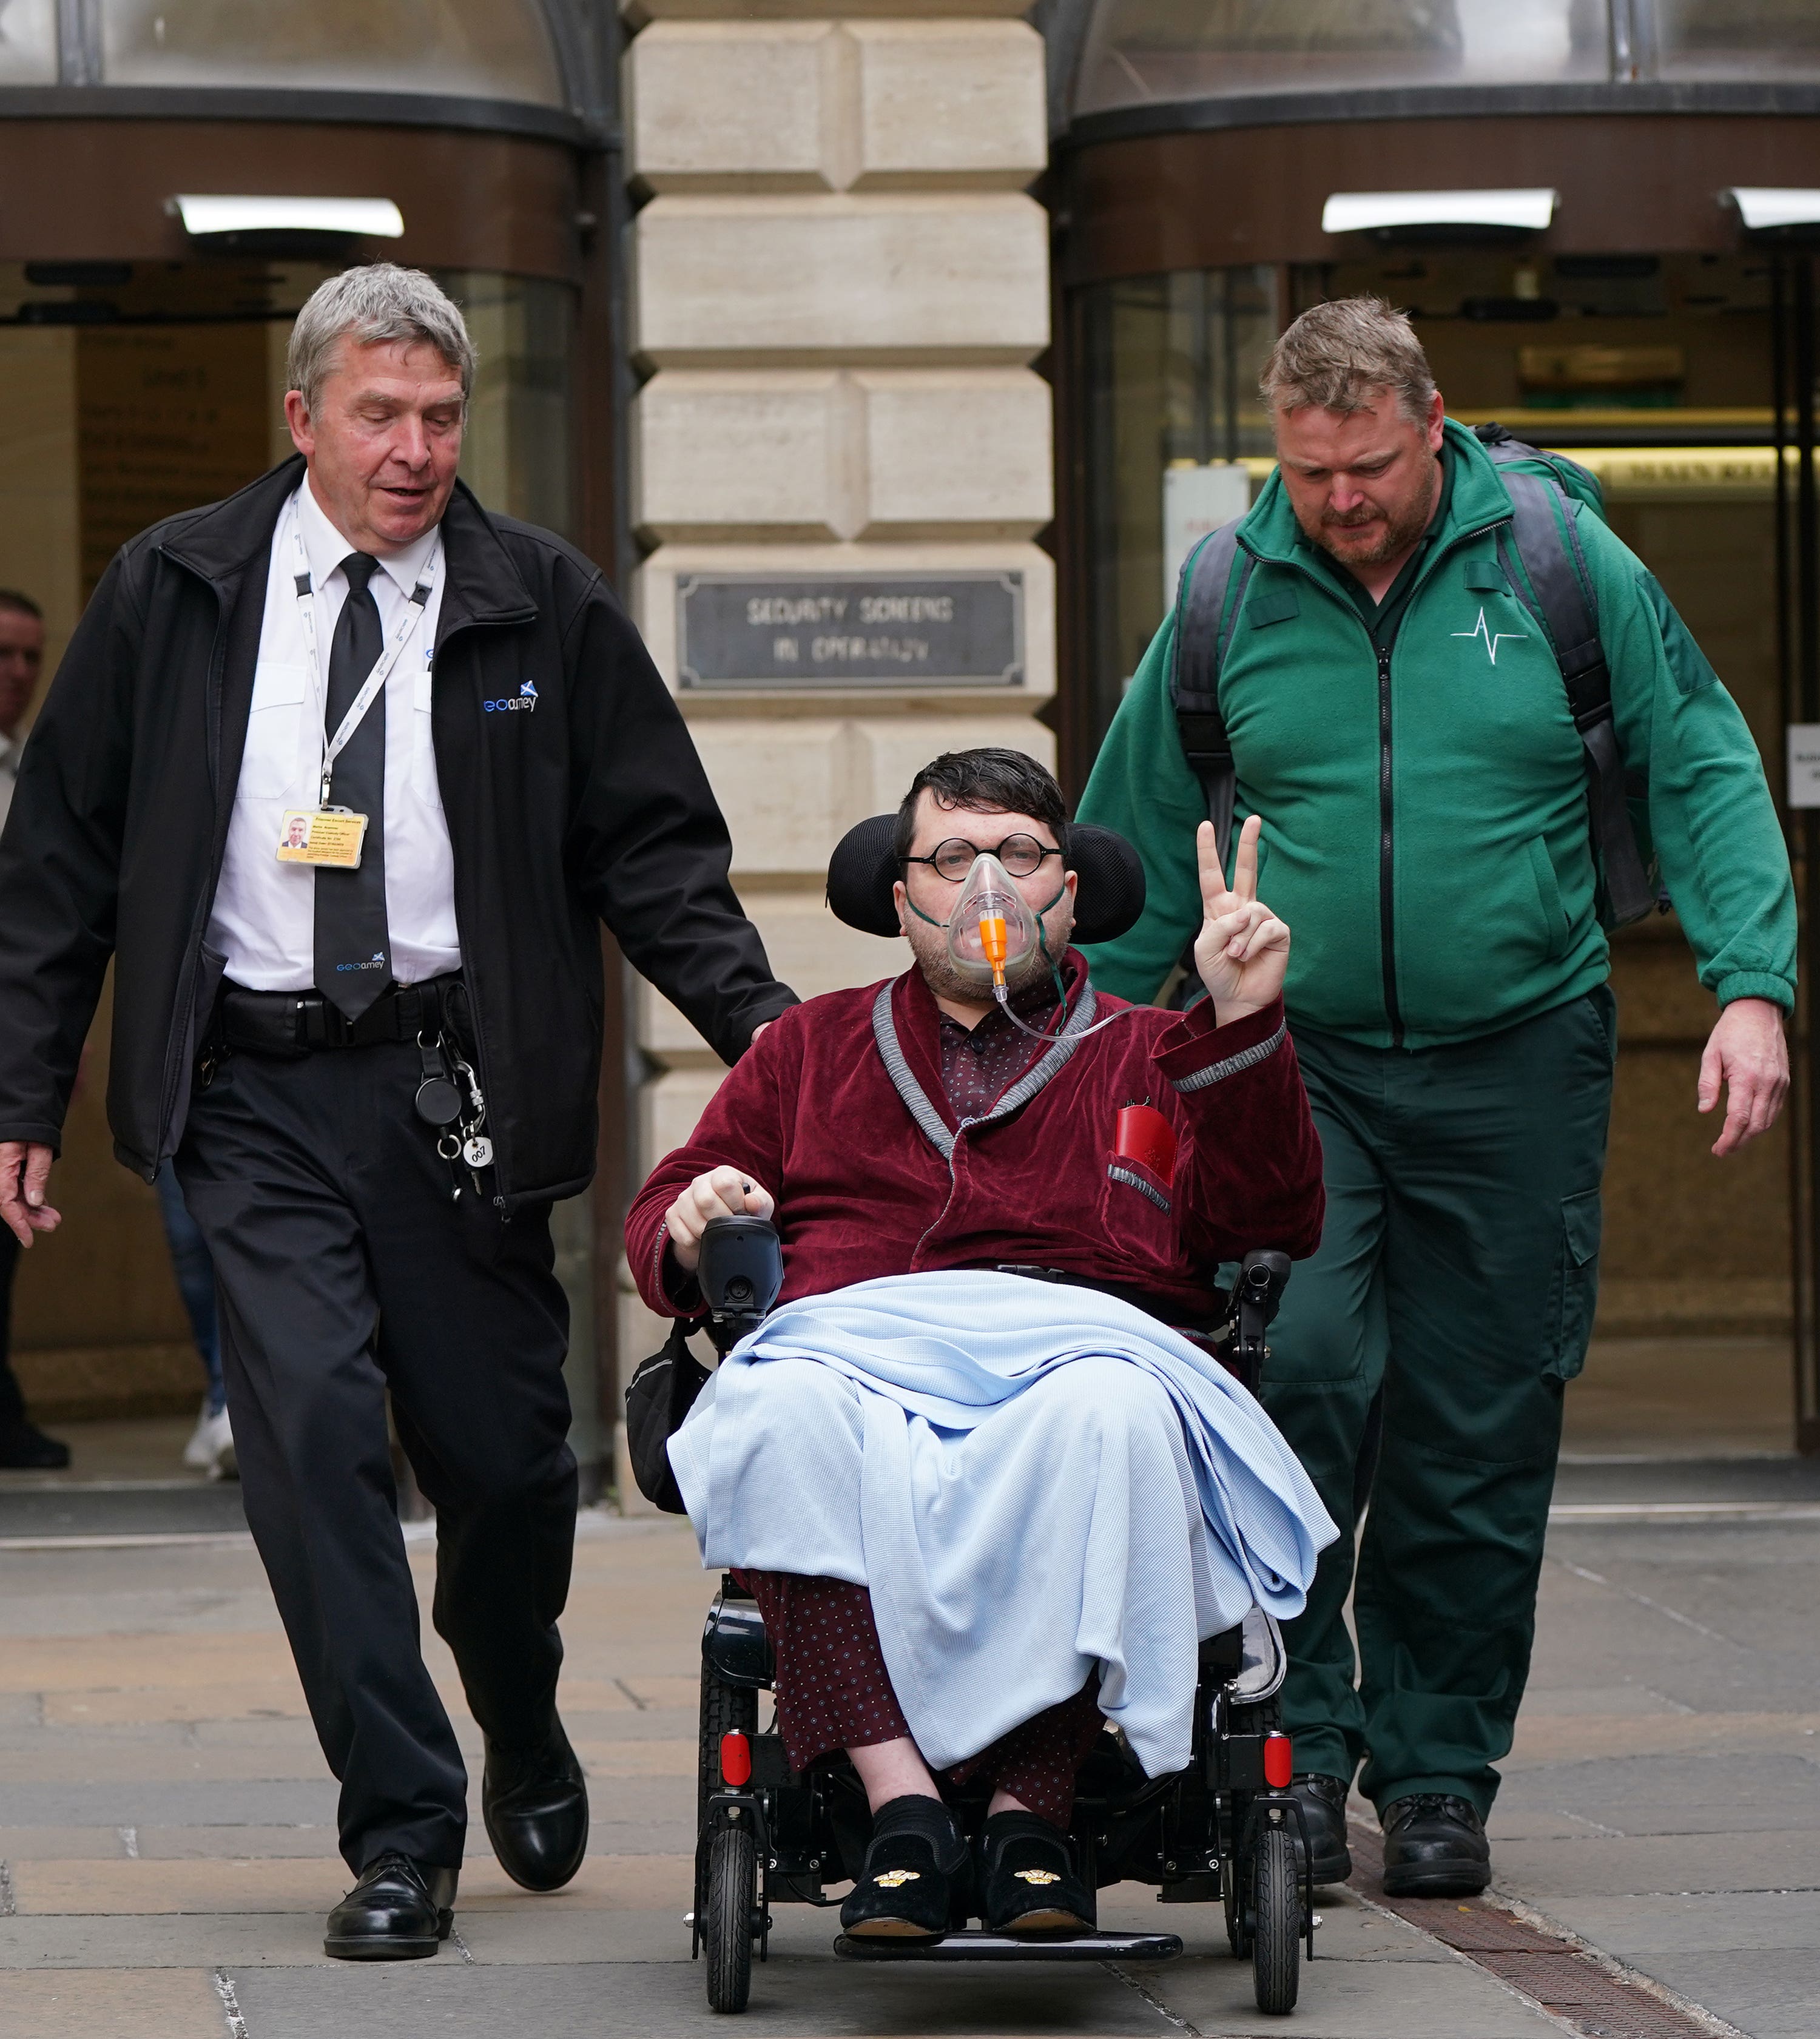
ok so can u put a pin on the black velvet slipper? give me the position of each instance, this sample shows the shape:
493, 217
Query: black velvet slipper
1028, 1881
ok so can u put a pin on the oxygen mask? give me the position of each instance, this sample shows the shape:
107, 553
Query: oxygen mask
992, 930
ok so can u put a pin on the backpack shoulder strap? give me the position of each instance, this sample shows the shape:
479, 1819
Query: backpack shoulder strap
1543, 534
1217, 568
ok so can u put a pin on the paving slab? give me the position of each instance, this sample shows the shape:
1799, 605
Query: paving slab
1716, 1921
1771, 1993
1595, 1866
106, 2004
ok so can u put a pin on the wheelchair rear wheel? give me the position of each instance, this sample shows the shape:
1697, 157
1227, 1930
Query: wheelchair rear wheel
732, 1898
1276, 1922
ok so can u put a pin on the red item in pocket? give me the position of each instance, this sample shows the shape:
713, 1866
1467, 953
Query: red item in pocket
1147, 1138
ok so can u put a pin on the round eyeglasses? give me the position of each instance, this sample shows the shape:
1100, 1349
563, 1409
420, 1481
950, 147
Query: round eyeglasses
1021, 855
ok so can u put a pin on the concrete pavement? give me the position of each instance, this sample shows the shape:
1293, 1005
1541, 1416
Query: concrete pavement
168, 1829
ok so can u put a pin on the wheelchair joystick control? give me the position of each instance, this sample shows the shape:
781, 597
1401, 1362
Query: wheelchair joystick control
741, 1270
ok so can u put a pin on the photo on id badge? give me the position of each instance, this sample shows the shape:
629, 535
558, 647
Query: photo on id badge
331, 836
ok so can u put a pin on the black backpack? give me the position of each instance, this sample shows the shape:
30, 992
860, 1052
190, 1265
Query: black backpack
1565, 605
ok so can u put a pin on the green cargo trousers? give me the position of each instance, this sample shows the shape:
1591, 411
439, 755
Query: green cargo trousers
1457, 1272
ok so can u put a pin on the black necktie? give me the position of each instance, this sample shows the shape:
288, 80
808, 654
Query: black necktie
353, 947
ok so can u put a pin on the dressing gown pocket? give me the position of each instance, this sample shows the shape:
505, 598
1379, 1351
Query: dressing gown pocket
1142, 1160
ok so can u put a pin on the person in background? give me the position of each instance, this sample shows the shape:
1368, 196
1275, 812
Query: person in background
23, 1446
210, 1448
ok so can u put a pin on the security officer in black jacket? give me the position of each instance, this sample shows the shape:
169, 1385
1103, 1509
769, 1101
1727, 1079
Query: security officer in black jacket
342, 773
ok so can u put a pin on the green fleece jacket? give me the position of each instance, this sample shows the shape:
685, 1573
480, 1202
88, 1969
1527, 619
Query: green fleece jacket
1434, 862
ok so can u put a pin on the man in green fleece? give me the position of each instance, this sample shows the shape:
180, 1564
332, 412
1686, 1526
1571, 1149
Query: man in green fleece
1398, 718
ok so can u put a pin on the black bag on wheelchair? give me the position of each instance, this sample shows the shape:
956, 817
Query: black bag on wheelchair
658, 1399
741, 1270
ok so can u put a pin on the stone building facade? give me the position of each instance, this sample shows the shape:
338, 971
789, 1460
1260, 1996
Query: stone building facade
838, 286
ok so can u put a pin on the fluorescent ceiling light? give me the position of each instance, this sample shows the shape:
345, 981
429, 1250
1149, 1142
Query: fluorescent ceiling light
1765, 207
1368, 212
290, 215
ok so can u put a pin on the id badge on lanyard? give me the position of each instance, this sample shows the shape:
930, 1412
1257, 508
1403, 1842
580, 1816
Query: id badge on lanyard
326, 834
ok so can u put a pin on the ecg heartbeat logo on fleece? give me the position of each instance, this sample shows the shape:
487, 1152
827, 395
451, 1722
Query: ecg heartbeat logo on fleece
527, 699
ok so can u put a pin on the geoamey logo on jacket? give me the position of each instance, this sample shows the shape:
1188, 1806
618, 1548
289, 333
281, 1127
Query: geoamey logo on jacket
527, 699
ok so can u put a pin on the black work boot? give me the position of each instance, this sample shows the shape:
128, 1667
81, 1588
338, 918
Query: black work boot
1028, 1882
400, 1911
914, 1885
1434, 1846
1323, 1802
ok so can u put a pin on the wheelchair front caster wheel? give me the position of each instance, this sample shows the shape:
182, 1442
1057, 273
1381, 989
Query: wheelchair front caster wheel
1276, 1922
732, 1899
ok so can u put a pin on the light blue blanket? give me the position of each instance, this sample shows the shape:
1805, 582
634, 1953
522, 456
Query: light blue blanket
1034, 1482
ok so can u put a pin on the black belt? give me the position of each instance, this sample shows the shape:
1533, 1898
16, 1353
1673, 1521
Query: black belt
291, 1023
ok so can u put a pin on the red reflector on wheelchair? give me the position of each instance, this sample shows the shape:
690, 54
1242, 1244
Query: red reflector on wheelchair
1278, 1766
736, 1760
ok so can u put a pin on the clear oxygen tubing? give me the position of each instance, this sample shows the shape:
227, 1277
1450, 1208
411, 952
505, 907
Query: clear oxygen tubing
992, 930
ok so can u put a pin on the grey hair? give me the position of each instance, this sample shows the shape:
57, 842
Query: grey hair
1338, 356
375, 303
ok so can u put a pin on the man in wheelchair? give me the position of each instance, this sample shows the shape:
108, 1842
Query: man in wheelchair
984, 1514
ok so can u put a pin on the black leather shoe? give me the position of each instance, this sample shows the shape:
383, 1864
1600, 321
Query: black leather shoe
914, 1883
1323, 1800
535, 1805
1028, 1882
400, 1911
24, 1447
1434, 1846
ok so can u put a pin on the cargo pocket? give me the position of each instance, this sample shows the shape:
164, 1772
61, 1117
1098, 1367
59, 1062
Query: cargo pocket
1576, 1287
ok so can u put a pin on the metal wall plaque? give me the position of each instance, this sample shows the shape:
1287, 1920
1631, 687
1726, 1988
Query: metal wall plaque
961, 629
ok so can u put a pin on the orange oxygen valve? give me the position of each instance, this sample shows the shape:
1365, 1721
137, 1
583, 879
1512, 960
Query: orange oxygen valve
735, 1761
993, 943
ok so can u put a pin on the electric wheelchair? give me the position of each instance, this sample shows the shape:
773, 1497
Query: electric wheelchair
1225, 1830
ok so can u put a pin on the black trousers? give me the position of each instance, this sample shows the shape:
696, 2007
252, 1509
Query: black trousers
345, 1269
11, 1401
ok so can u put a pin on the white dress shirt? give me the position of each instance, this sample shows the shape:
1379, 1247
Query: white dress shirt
265, 918
10, 747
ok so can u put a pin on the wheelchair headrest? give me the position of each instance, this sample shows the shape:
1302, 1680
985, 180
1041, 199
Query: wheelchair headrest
1111, 897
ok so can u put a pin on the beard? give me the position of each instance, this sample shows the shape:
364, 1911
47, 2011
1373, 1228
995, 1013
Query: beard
1369, 537
929, 944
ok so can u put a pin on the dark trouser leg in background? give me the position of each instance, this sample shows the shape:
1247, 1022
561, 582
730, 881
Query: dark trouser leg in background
1460, 1266
11, 1401
195, 1274
344, 1269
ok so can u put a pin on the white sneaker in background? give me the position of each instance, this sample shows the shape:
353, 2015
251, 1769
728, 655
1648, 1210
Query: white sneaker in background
199, 1452
216, 1434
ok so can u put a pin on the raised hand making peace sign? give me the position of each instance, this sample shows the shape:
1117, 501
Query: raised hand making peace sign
1242, 950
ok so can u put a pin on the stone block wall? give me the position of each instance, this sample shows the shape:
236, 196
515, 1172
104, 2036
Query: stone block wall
838, 284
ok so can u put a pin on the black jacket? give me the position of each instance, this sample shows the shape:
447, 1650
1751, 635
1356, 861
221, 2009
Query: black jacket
592, 804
